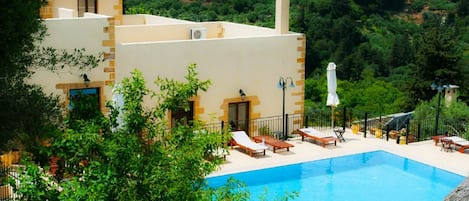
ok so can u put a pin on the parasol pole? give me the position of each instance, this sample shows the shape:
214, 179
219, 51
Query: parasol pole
332, 116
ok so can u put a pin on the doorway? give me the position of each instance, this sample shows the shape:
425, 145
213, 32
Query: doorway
238, 116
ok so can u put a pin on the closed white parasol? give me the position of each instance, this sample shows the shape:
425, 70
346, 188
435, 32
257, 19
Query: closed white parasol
332, 97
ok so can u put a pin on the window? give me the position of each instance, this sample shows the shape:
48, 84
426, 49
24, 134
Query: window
238, 116
88, 6
84, 103
183, 117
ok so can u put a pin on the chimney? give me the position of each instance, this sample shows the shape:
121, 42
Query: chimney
282, 14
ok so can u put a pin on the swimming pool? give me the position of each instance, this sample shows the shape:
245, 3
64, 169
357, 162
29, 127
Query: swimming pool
376, 175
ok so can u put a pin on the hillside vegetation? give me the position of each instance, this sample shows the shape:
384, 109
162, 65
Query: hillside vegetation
388, 52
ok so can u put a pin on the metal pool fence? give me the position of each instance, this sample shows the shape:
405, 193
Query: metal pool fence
387, 127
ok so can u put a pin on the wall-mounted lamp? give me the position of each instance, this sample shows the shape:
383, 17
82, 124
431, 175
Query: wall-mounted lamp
86, 79
242, 94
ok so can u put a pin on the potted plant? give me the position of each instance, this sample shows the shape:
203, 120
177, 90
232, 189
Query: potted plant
393, 134
401, 139
355, 128
54, 165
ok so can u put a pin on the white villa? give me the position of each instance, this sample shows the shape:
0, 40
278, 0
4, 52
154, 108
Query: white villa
237, 58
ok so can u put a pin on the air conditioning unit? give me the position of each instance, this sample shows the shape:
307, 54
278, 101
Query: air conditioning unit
198, 33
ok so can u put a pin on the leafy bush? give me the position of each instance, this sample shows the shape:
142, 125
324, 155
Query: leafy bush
142, 159
454, 117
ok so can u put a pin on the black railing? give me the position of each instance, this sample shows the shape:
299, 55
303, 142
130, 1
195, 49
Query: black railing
389, 127
262, 126
217, 126
404, 125
343, 118
425, 129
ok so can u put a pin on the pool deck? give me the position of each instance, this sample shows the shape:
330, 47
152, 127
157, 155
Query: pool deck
425, 152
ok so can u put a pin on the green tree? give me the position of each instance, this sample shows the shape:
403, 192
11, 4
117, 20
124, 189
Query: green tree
140, 9
441, 5
19, 31
377, 96
401, 52
143, 159
381, 5
463, 8
438, 55
28, 114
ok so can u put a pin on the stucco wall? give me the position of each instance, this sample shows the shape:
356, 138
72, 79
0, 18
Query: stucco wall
252, 64
152, 19
93, 15
72, 5
141, 19
69, 34
241, 30
145, 33
160, 31
108, 7
65, 4
133, 19
66, 13
104, 7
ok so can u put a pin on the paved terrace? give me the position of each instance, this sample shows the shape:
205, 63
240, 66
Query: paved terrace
424, 152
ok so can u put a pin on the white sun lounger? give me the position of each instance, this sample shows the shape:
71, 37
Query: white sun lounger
320, 137
241, 139
461, 142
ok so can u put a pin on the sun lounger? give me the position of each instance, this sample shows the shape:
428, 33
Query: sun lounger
275, 143
241, 139
317, 136
462, 143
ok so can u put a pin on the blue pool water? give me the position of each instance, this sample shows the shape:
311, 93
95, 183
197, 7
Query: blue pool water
377, 175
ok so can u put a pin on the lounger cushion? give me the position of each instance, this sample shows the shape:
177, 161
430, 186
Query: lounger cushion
242, 138
458, 140
316, 133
